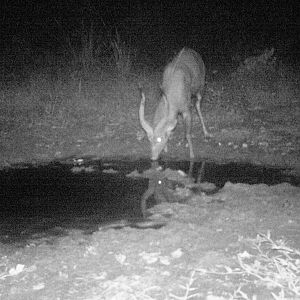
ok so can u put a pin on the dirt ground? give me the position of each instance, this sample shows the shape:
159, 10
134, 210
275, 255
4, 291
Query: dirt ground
239, 243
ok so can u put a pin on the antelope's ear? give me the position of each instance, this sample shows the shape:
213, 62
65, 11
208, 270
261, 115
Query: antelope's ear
166, 103
150, 135
161, 89
164, 98
171, 126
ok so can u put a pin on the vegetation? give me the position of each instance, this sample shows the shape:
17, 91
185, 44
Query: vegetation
79, 98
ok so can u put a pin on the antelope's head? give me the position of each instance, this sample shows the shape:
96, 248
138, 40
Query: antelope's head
159, 134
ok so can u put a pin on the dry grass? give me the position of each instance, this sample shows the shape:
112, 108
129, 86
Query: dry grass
274, 264
271, 264
122, 55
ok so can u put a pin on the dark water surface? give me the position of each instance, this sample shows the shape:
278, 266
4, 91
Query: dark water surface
38, 201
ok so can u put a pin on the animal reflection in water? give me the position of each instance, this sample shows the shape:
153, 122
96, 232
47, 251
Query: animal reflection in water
162, 184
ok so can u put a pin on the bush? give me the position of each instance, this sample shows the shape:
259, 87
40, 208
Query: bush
262, 81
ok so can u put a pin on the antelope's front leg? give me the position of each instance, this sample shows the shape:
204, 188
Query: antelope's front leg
187, 117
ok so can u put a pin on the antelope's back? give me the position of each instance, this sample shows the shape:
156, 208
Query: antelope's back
188, 64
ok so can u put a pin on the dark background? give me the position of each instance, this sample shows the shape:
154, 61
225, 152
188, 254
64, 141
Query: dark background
218, 29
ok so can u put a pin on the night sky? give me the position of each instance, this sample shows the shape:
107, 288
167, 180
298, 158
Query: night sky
210, 26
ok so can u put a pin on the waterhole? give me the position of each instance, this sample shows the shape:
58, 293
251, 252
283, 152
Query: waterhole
86, 194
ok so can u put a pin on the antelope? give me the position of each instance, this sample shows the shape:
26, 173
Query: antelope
183, 78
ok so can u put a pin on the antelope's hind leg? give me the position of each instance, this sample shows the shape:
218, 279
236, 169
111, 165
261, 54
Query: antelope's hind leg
198, 101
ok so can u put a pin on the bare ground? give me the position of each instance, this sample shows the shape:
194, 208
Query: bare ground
240, 243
